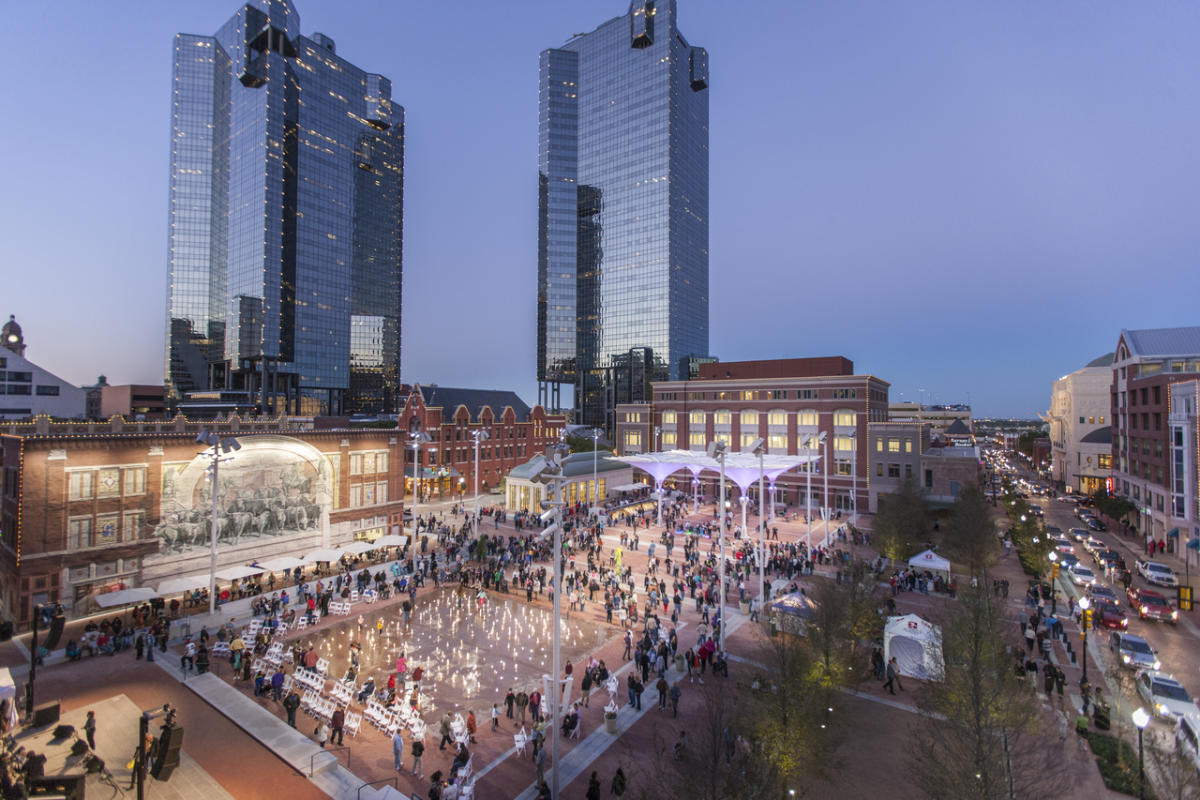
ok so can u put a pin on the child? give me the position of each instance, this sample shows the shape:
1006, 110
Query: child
495, 716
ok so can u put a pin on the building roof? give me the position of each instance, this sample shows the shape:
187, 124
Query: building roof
574, 465
449, 399
1105, 360
1098, 436
1163, 341
958, 428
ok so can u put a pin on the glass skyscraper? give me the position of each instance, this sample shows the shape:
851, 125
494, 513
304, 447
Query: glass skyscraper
286, 212
622, 210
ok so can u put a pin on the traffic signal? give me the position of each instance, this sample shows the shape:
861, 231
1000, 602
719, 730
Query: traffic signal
1054, 570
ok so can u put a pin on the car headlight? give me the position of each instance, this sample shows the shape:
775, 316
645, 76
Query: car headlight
1145, 609
1124, 623
1157, 665
1125, 658
1160, 708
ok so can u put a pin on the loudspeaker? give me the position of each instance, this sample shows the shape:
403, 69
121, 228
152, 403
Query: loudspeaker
63, 731
166, 757
54, 632
45, 714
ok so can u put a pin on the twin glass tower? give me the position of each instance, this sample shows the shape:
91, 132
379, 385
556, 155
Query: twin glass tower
622, 211
287, 174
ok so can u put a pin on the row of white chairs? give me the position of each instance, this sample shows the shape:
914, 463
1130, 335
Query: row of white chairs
309, 680
340, 609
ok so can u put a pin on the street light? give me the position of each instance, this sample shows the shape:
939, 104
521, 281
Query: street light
416, 439
716, 449
1141, 719
1053, 575
758, 448
1084, 606
479, 435
820, 437
221, 447
596, 433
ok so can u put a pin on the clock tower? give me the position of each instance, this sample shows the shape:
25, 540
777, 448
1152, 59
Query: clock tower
11, 337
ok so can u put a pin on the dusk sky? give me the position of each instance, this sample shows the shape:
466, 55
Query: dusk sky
966, 198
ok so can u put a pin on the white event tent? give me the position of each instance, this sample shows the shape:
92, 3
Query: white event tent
932, 562
916, 646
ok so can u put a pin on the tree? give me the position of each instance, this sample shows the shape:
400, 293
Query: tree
970, 536
986, 737
901, 521
846, 619
585, 444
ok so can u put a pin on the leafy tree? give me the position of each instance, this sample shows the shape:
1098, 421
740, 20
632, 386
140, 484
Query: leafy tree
970, 535
901, 522
584, 444
984, 740
844, 622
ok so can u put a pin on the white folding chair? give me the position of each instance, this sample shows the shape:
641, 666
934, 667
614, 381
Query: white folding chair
322, 666
281, 629
354, 595
301, 623
520, 740
353, 721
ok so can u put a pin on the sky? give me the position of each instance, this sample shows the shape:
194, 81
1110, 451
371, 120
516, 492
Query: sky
968, 200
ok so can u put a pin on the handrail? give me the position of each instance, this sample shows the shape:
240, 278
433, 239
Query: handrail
331, 749
391, 780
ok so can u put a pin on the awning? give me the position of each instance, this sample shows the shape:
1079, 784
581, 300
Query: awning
327, 554
1194, 543
239, 572
358, 548
1173, 533
184, 584
280, 563
125, 597
390, 540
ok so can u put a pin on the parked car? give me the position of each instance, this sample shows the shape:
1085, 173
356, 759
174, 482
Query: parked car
1151, 605
1062, 545
1095, 524
1109, 615
1165, 695
1102, 594
1081, 575
1156, 572
1068, 560
1079, 534
1094, 545
1133, 651
1037, 511
1187, 738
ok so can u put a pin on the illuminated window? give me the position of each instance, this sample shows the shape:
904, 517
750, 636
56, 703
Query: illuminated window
777, 418
747, 440
79, 485
807, 417
893, 444
696, 417
843, 443
722, 416
843, 416
135, 480
668, 440
668, 418
777, 443
749, 418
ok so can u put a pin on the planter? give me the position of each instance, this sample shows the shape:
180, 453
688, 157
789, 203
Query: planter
679, 662
610, 724
744, 606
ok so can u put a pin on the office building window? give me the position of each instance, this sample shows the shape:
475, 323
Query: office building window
668, 418
79, 533
668, 440
807, 417
79, 485
777, 418
135, 480
893, 444
843, 416
749, 419
843, 443
723, 417
696, 417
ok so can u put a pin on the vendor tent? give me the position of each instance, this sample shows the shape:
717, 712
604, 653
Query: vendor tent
932, 562
323, 555
236, 573
916, 645
125, 597
391, 540
792, 612
358, 548
185, 584
280, 563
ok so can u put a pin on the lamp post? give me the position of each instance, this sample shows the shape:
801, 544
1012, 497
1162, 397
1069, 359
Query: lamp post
825, 509
1053, 589
1085, 605
759, 449
854, 479
695, 495
595, 471
554, 472
221, 447
416, 439
479, 435
1141, 719
716, 449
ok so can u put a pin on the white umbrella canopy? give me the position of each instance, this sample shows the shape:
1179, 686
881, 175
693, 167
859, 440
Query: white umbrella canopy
390, 541
125, 596
358, 548
238, 572
326, 554
185, 584
282, 562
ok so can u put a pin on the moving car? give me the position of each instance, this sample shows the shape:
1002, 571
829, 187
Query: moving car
1102, 594
1062, 545
1095, 524
1133, 651
1165, 695
1151, 605
1094, 545
1037, 511
1156, 572
1079, 534
1068, 560
1109, 615
1081, 575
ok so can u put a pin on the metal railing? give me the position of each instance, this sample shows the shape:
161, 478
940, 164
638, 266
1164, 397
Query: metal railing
391, 780
330, 749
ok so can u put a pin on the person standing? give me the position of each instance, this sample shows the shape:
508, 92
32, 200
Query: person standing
418, 750
675, 693
593, 788
322, 733
893, 676
89, 728
522, 701
290, 704
509, 700
471, 725
338, 722
398, 750
539, 762
619, 783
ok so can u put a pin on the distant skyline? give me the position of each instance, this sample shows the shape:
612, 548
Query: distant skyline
972, 199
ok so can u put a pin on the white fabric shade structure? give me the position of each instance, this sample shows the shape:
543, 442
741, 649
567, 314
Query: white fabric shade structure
280, 563
358, 548
184, 584
8, 692
932, 562
325, 554
239, 572
629, 487
125, 597
390, 540
916, 646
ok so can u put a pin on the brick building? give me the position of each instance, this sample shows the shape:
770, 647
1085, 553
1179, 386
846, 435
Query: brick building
785, 402
92, 507
895, 456
1147, 365
449, 415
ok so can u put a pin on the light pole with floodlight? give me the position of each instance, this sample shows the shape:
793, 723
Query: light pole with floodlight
416, 439
1085, 606
221, 447
717, 449
553, 473
1053, 589
479, 435
758, 448
1141, 719
596, 433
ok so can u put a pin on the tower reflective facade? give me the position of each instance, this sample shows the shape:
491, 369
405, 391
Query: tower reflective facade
622, 210
286, 213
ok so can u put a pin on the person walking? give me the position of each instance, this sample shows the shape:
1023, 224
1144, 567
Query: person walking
290, 704
663, 689
619, 783
89, 729
418, 750
444, 729
322, 733
593, 788
893, 676
675, 693
522, 701
539, 762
